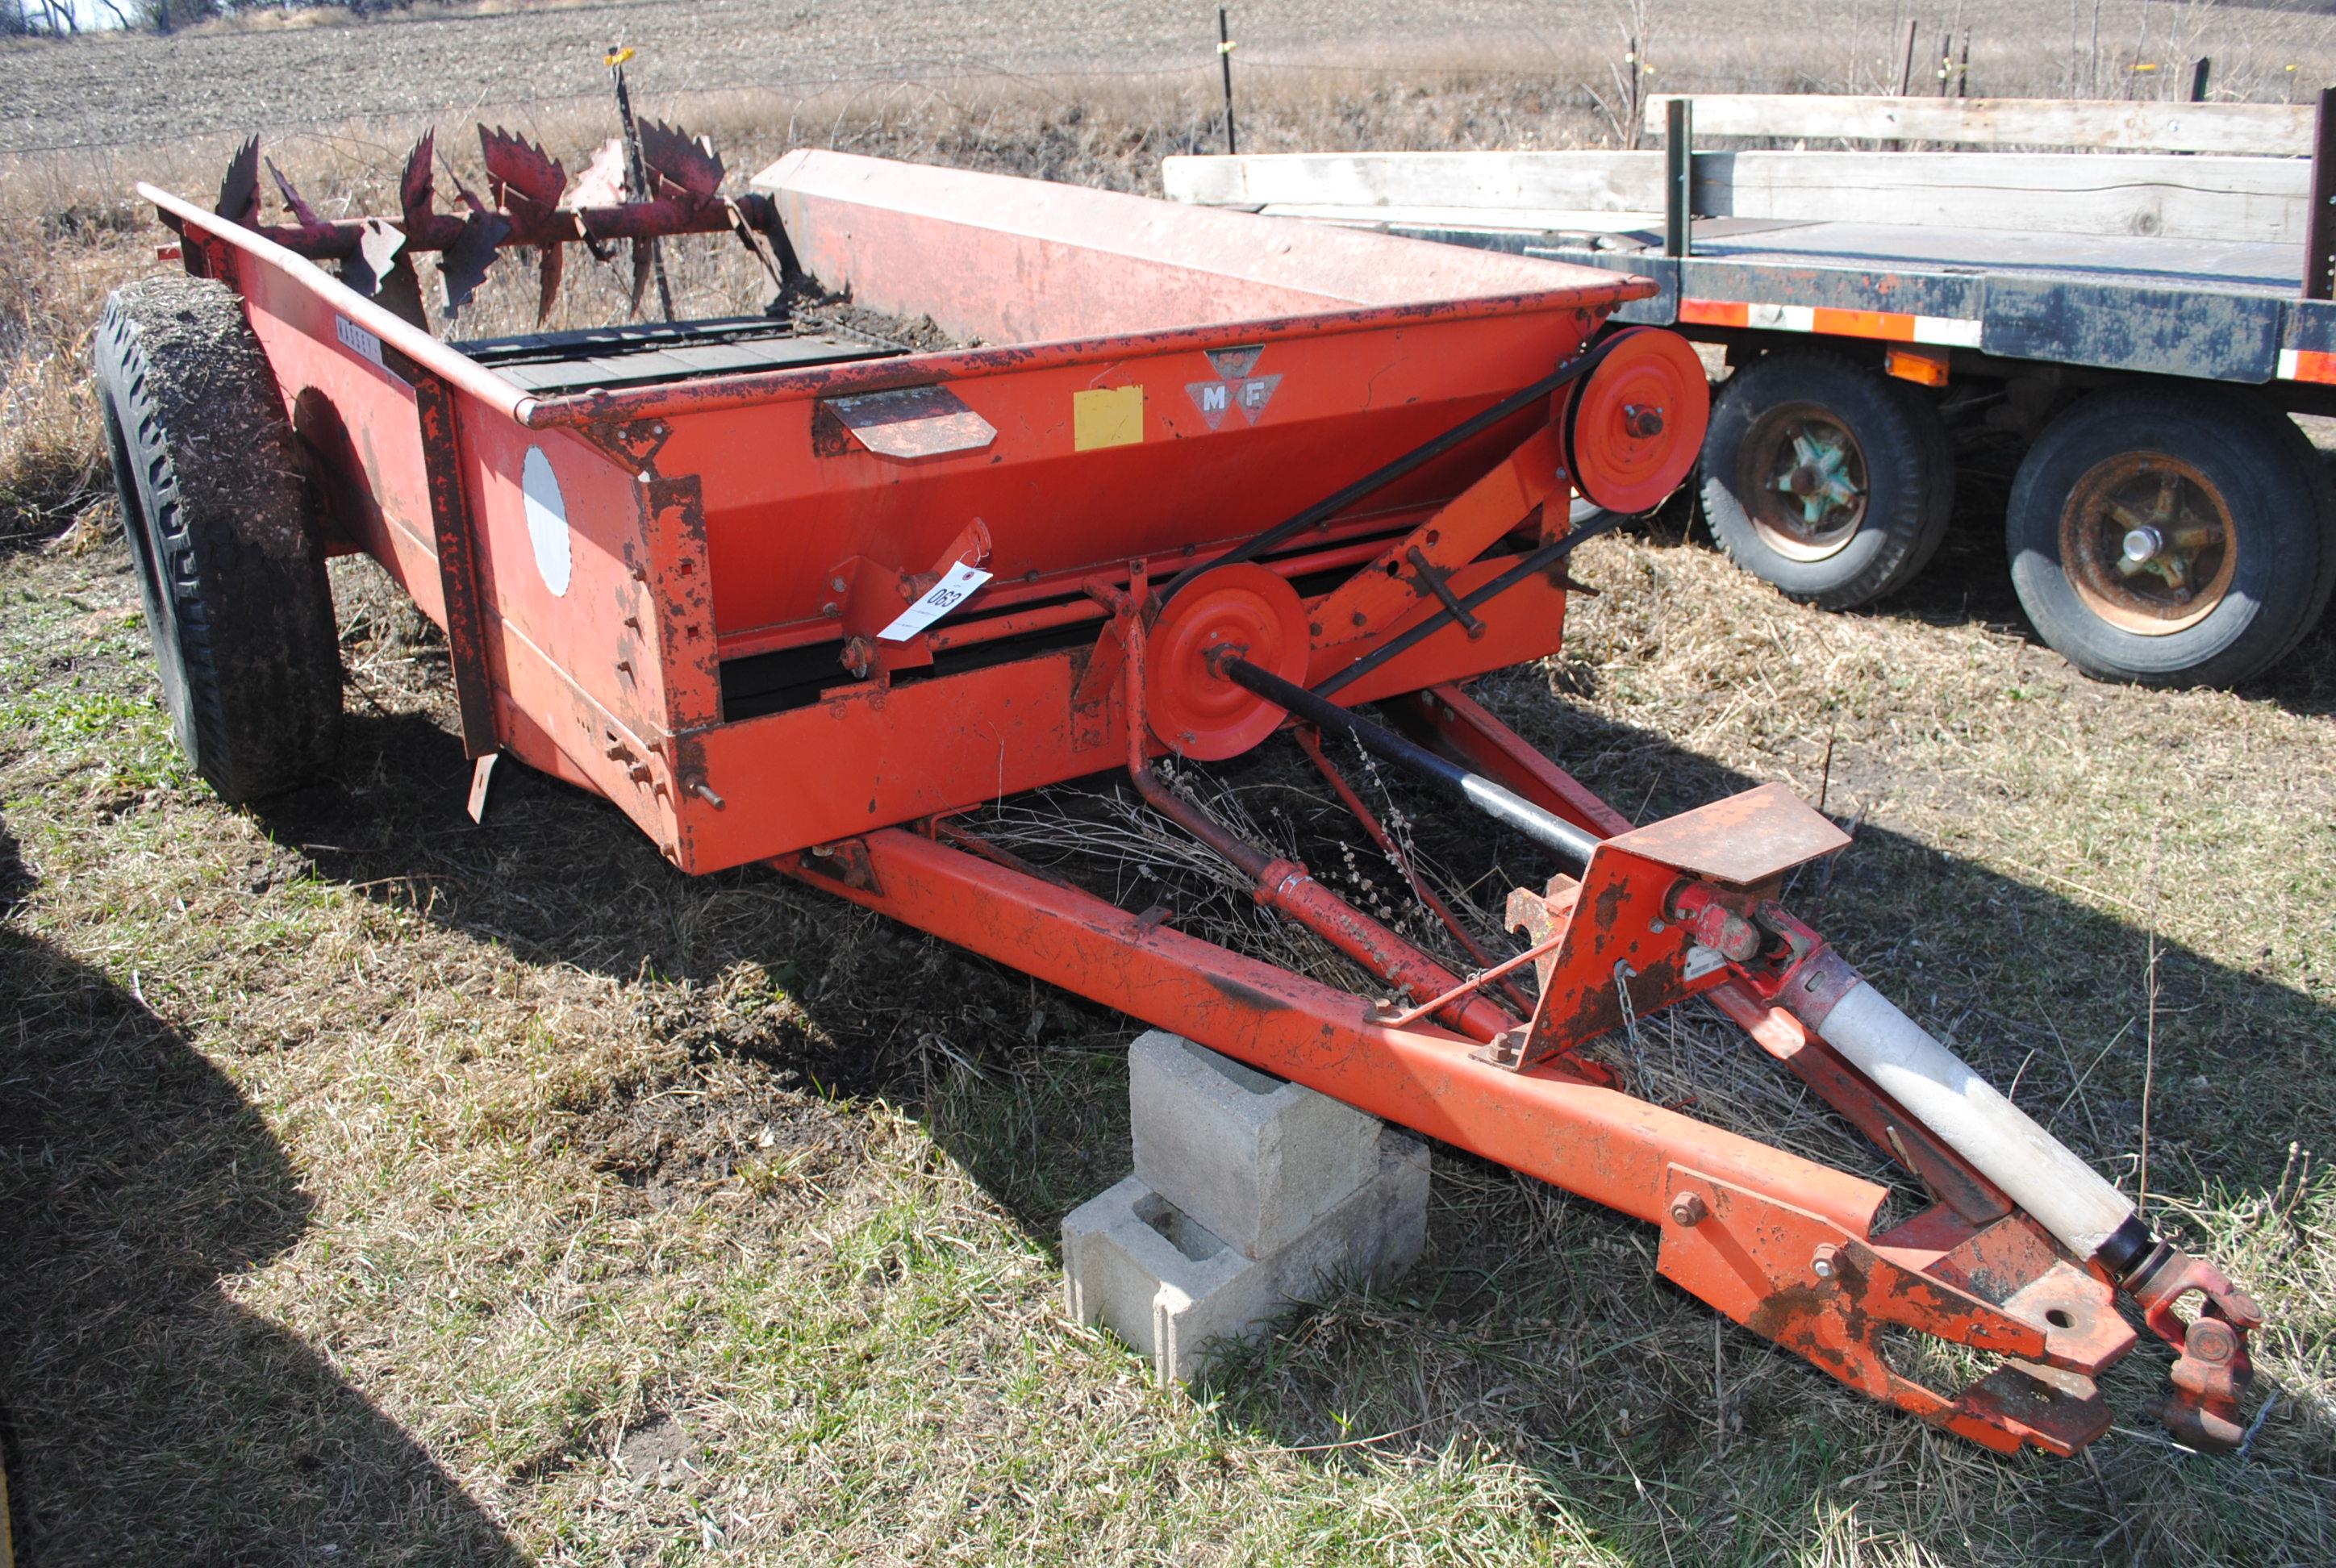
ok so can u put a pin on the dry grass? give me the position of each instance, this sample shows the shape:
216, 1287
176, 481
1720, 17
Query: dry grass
378, 1188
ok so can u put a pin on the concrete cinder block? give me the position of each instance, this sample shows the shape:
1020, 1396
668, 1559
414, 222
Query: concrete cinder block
1255, 1160
1176, 1291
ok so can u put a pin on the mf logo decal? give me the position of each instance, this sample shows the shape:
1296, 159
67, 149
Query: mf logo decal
1234, 387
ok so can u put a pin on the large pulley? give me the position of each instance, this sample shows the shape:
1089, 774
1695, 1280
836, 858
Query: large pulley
1240, 611
1635, 425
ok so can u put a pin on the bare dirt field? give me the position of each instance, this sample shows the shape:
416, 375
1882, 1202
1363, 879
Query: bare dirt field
375, 1187
112, 88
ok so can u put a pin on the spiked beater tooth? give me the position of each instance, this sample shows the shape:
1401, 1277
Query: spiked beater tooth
641, 254
400, 293
304, 214
239, 199
466, 196
464, 265
376, 255
754, 242
688, 164
602, 183
415, 197
521, 176
548, 288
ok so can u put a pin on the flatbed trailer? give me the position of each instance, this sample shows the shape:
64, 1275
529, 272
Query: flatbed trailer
2142, 321
790, 599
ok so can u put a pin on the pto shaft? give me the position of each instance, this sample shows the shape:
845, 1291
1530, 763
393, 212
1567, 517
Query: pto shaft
2034, 1169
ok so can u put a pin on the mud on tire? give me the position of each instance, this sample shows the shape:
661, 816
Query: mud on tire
224, 531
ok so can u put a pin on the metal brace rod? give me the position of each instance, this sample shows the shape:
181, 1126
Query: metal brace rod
1570, 843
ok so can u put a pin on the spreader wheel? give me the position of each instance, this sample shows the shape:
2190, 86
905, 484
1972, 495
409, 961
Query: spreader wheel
1244, 610
1829, 479
2160, 536
223, 529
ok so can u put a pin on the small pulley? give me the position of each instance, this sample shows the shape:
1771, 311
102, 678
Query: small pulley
1634, 426
1241, 611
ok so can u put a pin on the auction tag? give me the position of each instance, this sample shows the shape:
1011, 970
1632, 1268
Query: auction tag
956, 585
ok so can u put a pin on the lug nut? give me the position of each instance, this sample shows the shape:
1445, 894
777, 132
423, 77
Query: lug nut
1688, 1209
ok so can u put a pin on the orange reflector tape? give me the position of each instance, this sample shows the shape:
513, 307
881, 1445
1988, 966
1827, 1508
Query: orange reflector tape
1889, 325
1917, 365
2306, 365
1714, 312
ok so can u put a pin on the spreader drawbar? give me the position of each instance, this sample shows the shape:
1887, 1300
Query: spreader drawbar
2031, 1167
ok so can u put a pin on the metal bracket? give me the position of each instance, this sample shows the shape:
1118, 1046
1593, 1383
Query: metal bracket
458, 582
483, 777
845, 860
1435, 580
1798, 1278
1622, 923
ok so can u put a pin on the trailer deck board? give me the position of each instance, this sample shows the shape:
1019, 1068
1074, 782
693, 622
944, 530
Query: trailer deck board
2260, 265
2276, 130
2141, 305
2203, 196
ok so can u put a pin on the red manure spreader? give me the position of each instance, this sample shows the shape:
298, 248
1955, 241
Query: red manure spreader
799, 595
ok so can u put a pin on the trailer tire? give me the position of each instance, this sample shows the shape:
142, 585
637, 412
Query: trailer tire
2247, 489
223, 529
1883, 452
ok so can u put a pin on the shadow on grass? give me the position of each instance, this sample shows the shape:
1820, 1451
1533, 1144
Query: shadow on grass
2021, 974
149, 1418
1537, 1319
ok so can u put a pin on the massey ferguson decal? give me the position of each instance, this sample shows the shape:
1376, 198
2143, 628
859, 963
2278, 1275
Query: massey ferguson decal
1234, 387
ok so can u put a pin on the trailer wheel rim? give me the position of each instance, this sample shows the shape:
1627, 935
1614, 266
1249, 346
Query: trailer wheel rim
2147, 541
1803, 477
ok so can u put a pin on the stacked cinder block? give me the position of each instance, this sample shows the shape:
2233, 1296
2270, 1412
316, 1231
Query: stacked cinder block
1248, 1194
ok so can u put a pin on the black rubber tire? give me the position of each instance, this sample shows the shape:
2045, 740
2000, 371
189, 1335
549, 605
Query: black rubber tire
223, 526
1910, 476
2282, 511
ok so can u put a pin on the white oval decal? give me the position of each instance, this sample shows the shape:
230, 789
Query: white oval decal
547, 519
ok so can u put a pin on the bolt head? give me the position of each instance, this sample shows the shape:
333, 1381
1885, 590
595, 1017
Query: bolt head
1827, 1265
1688, 1209
2210, 1340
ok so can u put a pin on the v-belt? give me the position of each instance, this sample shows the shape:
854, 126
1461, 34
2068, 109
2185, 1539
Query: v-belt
1380, 478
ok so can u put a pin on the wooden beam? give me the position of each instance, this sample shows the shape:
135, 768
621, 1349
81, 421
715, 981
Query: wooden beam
2273, 130
2194, 198
1522, 219
1567, 181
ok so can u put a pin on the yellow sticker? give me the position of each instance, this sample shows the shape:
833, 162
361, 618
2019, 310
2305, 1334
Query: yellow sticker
1107, 416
